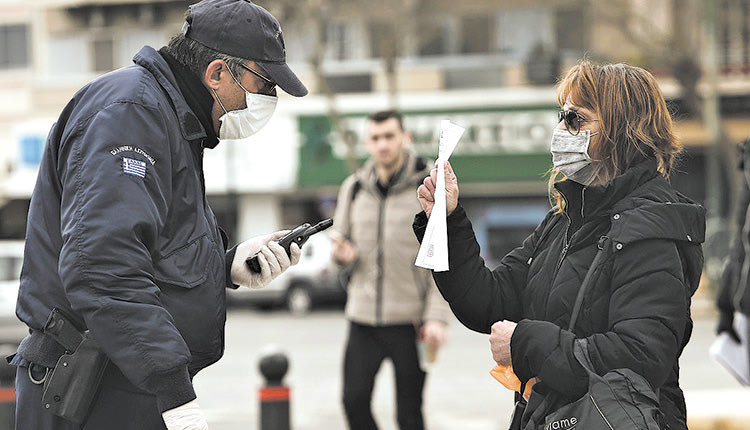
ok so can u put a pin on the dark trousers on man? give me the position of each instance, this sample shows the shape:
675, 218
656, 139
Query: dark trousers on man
113, 408
366, 348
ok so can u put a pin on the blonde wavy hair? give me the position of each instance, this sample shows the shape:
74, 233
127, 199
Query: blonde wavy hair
634, 122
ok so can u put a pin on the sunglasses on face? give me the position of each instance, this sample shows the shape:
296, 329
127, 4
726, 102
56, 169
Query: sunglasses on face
268, 85
572, 120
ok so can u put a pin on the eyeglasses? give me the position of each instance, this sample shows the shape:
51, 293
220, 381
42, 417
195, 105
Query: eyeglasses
572, 120
268, 85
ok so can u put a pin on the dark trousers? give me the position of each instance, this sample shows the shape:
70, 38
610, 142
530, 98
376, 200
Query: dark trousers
113, 409
366, 348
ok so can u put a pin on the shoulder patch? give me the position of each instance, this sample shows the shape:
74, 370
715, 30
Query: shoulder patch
134, 167
133, 149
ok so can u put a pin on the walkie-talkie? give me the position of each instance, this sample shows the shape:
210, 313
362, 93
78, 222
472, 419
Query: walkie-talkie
299, 236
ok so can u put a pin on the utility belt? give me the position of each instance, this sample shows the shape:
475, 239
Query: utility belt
70, 387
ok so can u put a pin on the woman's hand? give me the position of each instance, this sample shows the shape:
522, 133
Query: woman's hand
426, 191
502, 331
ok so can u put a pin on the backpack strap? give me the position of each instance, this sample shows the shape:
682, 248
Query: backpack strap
603, 246
356, 186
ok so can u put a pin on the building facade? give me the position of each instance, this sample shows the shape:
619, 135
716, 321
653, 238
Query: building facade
488, 65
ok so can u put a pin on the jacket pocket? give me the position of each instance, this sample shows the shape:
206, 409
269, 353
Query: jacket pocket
186, 266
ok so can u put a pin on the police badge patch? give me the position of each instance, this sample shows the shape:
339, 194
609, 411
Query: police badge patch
134, 167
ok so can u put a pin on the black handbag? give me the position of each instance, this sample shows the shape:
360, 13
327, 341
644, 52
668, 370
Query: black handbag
621, 399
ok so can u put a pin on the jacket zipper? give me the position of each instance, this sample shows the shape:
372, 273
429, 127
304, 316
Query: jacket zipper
203, 178
198, 155
567, 241
583, 201
565, 247
379, 285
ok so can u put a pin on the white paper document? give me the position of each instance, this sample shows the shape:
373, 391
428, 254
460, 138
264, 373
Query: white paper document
733, 356
433, 254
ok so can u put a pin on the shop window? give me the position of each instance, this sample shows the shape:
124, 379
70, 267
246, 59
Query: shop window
434, 39
476, 34
382, 39
68, 55
520, 32
568, 25
357, 83
339, 40
14, 46
102, 52
734, 35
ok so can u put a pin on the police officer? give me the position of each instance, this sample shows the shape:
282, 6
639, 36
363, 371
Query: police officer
120, 238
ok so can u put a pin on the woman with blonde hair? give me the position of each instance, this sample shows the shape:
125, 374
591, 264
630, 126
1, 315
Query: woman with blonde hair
613, 151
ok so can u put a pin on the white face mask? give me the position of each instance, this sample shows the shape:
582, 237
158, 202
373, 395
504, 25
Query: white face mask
242, 123
570, 155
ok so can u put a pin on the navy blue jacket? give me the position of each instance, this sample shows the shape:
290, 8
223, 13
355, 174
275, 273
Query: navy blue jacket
635, 315
120, 236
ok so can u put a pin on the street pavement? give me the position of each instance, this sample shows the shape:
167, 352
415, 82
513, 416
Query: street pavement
459, 393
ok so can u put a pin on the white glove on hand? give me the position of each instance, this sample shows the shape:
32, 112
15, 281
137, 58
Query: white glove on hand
272, 258
186, 417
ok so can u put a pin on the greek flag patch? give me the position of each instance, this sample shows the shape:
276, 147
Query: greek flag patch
134, 167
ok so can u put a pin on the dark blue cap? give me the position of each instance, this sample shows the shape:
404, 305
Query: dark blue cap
243, 29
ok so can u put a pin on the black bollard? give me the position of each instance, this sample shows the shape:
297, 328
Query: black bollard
274, 395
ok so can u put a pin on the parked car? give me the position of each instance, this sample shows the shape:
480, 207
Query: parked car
502, 226
12, 330
312, 281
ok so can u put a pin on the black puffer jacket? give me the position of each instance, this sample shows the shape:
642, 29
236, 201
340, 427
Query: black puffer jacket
636, 314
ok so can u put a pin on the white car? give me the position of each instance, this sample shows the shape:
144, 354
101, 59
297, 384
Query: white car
12, 330
311, 281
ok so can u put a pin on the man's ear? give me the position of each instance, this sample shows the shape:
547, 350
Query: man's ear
213, 75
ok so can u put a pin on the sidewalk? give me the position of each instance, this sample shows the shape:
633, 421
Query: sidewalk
460, 393
719, 409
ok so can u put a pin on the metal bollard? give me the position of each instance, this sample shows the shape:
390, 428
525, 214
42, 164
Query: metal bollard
274, 395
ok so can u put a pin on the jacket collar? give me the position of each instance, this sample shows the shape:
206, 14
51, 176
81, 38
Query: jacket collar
190, 126
641, 205
196, 95
599, 199
407, 176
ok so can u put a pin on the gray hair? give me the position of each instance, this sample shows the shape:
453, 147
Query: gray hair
196, 56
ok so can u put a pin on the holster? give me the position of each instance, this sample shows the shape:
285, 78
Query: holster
70, 388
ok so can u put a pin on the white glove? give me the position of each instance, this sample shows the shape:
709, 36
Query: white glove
272, 258
186, 417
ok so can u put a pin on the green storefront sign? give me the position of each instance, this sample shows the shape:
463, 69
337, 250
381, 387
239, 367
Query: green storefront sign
499, 145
